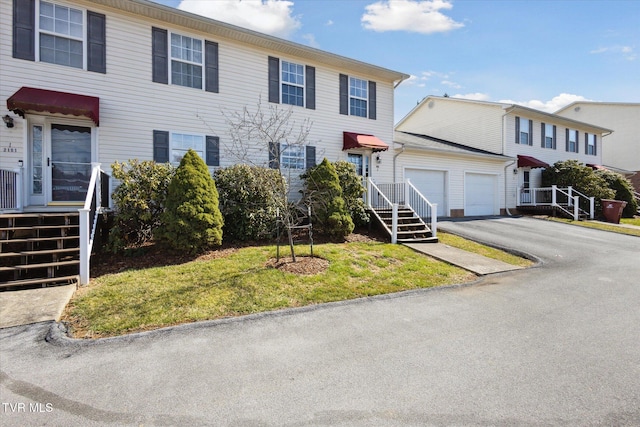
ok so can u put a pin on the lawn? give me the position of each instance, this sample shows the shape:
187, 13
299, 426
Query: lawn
489, 252
242, 281
631, 221
604, 226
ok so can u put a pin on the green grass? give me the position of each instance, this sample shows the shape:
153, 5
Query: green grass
602, 226
242, 283
489, 252
631, 221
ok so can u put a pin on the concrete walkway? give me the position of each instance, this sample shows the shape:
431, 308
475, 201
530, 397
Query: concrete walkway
34, 305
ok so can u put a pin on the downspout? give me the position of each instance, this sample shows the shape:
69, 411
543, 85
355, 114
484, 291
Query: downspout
395, 156
506, 207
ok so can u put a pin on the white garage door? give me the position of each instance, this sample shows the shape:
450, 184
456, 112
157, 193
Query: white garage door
432, 185
480, 194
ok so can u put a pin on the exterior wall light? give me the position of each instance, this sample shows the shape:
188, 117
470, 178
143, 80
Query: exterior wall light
8, 120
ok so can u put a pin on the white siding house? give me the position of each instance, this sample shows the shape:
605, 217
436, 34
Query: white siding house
487, 152
110, 80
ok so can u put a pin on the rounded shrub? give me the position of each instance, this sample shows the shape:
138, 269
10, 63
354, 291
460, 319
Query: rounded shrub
352, 192
249, 201
192, 221
323, 193
623, 189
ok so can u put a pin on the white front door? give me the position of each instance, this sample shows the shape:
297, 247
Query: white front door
361, 163
60, 155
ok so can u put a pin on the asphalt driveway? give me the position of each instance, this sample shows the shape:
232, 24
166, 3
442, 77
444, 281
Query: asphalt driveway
558, 344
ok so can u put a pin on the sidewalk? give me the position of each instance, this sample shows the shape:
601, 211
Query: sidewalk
470, 261
34, 305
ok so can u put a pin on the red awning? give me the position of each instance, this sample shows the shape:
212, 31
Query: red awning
532, 162
30, 99
594, 166
358, 140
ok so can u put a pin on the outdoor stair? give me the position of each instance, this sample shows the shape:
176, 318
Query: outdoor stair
411, 229
38, 249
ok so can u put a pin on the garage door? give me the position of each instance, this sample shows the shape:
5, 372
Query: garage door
432, 184
480, 194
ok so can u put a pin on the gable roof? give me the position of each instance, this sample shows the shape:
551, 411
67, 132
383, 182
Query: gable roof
215, 28
597, 103
430, 143
516, 110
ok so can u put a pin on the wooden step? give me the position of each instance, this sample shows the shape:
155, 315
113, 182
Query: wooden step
38, 239
43, 281
49, 251
43, 265
39, 227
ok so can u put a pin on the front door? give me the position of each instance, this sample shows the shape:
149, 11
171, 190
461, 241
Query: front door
361, 163
59, 162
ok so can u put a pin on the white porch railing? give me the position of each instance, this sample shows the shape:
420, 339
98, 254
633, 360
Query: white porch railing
89, 215
567, 200
11, 189
391, 196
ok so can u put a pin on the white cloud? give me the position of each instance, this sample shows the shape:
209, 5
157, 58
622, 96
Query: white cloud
451, 84
272, 17
311, 40
551, 106
329, 23
409, 15
476, 96
627, 52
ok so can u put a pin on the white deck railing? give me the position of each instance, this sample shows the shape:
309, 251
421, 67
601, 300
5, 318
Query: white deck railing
11, 189
567, 200
426, 211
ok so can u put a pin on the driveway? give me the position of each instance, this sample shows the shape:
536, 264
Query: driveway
558, 344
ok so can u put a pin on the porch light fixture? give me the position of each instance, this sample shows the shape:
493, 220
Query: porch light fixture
20, 163
8, 120
515, 171
378, 159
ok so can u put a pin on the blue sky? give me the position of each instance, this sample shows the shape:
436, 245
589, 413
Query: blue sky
539, 53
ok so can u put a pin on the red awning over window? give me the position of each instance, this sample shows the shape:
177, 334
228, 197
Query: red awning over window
532, 162
358, 140
29, 99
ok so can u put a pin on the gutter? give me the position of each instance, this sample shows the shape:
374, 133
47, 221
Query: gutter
506, 207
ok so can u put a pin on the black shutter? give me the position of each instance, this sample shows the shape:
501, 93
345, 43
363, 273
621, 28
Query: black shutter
310, 156
160, 146
24, 29
344, 94
543, 134
310, 81
274, 80
595, 145
586, 143
530, 142
212, 153
160, 53
274, 155
372, 100
96, 42
554, 137
517, 130
211, 73
566, 144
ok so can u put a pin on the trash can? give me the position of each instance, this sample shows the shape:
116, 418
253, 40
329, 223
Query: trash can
612, 210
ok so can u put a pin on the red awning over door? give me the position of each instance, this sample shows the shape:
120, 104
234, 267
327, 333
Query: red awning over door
532, 162
29, 99
358, 140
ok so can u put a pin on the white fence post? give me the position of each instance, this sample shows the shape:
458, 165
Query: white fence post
434, 220
553, 195
406, 193
369, 192
576, 214
569, 189
19, 188
84, 245
592, 207
394, 223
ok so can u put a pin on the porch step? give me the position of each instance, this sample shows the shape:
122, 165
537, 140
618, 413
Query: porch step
38, 248
411, 229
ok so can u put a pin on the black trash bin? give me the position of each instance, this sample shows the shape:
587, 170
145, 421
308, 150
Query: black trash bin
612, 210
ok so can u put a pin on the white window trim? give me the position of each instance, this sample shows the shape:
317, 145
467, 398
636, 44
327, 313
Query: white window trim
303, 85
576, 141
172, 146
366, 114
301, 155
591, 144
548, 134
200, 64
524, 121
39, 31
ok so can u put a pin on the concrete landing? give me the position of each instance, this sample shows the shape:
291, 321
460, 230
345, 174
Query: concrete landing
27, 306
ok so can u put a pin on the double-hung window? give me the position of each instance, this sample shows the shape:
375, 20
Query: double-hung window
572, 141
186, 61
358, 98
523, 131
590, 146
170, 147
61, 35
548, 136
292, 157
182, 142
292, 83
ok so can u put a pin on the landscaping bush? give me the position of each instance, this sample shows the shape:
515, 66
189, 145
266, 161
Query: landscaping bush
323, 193
192, 221
247, 201
580, 177
623, 190
352, 192
139, 201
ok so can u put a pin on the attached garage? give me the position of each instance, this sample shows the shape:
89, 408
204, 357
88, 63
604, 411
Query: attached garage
432, 184
480, 194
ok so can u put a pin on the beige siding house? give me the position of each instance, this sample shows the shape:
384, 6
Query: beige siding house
621, 149
114, 80
487, 154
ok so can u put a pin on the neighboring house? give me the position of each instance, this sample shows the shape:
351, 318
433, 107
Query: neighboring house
621, 149
482, 158
97, 81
